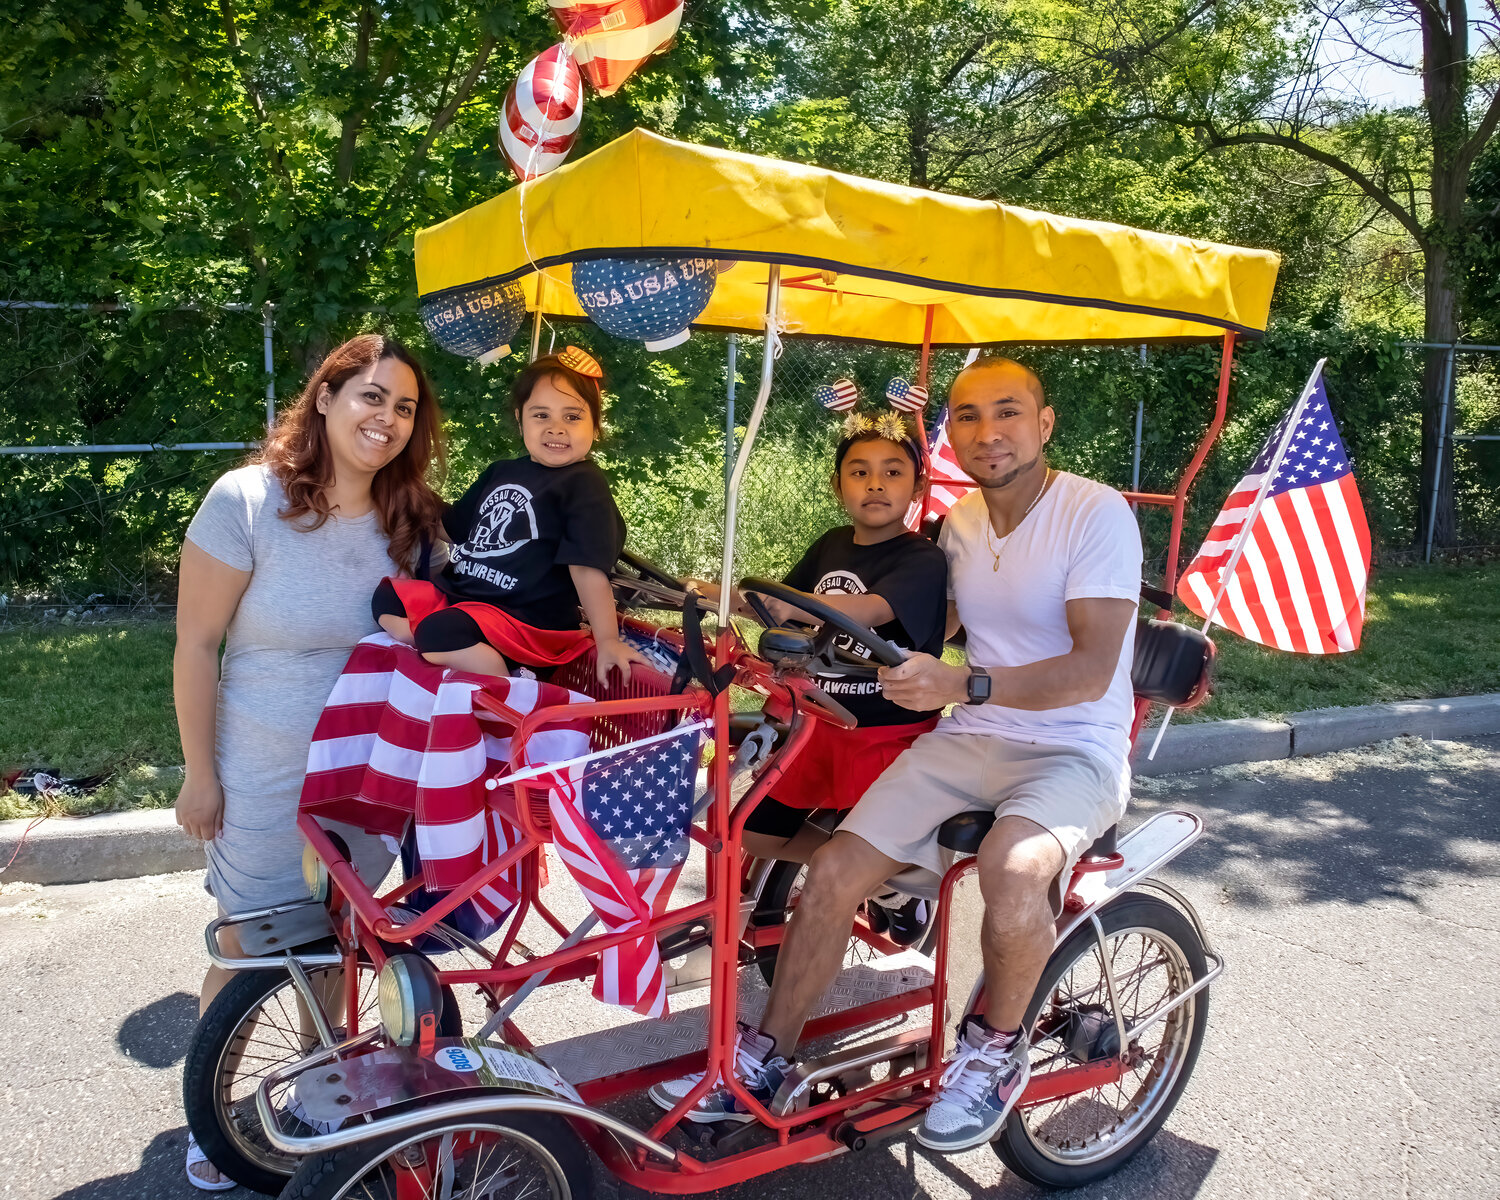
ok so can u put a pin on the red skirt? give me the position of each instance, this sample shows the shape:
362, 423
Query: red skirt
519, 642
837, 766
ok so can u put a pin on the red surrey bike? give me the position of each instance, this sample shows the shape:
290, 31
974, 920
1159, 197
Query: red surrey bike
338, 1063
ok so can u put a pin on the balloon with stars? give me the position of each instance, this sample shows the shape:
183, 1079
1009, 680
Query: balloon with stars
477, 321
650, 300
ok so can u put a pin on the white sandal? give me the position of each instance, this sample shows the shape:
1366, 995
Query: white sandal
195, 1156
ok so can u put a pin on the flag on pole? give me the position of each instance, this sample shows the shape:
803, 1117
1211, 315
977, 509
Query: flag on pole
947, 482
620, 824
1287, 560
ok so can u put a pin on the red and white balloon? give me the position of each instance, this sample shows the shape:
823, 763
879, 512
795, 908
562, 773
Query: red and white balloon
539, 121
613, 37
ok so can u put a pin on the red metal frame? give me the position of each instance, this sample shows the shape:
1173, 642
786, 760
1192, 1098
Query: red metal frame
801, 1136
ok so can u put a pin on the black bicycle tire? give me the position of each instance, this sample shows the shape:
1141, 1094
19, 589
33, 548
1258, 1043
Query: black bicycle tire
200, 1071
320, 1176
1133, 910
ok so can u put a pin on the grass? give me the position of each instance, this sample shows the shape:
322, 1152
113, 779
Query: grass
1429, 631
98, 700
88, 701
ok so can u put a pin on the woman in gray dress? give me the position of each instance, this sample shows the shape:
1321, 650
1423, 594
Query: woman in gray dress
278, 565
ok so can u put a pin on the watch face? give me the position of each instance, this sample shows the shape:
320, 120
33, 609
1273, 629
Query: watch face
979, 686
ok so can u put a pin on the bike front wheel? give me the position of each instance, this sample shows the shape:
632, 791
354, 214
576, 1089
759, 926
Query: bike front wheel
520, 1155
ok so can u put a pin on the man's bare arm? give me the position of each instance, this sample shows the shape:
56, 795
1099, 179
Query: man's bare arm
1097, 626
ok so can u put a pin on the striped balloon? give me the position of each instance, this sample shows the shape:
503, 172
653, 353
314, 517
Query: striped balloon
613, 37
905, 397
839, 396
539, 121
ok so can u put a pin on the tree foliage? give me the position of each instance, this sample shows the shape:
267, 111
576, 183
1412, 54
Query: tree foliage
163, 153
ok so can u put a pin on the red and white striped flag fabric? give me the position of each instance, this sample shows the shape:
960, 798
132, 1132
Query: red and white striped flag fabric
400, 740
611, 38
1297, 564
620, 824
947, 482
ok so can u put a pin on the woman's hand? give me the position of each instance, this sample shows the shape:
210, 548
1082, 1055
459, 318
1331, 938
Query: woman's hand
611, 654
200, 807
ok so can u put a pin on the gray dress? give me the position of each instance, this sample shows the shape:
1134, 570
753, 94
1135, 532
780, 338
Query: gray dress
306, 605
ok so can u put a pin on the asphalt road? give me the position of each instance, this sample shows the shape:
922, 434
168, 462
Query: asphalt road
1351, 1049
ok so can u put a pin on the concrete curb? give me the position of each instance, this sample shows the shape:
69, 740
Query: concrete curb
109, 846
149, 842
1212, 744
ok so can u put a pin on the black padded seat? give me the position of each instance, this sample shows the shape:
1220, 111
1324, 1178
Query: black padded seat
1170, 661
963, 833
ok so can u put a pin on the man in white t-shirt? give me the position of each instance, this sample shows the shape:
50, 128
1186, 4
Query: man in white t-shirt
1044, 574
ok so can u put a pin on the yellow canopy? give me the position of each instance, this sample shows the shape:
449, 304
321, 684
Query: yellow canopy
861, 260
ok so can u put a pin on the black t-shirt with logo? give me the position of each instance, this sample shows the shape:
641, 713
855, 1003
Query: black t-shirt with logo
520, 527
910, 574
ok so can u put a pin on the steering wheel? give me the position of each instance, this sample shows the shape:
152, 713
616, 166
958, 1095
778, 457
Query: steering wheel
644, 584
834, 623
647, 569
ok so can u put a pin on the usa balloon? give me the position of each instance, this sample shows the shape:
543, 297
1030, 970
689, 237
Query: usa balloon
476, 322
542, 111
613, 37
651, 300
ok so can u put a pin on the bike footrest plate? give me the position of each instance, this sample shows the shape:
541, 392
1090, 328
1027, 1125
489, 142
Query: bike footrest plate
863, 1056
300, 926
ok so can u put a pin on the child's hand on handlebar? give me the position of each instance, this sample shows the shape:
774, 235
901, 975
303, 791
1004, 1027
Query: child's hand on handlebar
612, 653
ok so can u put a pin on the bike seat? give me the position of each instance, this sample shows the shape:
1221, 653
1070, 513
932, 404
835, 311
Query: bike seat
963, 833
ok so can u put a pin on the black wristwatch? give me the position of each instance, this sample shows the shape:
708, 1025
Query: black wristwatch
980, 684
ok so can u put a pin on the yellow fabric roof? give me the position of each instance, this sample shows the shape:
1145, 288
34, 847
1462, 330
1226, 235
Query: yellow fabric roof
861, 259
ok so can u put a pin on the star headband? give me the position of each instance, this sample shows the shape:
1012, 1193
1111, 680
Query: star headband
581, 361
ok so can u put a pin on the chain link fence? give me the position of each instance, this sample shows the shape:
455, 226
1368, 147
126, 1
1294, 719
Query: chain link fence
88, 532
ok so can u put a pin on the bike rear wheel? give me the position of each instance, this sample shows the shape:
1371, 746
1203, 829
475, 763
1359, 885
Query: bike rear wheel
1155, 954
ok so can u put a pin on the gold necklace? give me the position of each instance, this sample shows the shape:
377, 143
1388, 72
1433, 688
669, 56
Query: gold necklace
989, 526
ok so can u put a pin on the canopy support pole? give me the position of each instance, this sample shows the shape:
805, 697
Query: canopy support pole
922, 369
742, 459
1179, 500
536, 324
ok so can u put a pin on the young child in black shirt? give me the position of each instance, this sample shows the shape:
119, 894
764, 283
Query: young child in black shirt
533, 540
885, 577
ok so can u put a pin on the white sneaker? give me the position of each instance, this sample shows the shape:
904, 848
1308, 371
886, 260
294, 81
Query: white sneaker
755, 1067
977, 1091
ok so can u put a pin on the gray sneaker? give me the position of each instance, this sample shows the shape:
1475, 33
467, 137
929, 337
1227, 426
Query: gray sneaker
977, 1091
759, 1070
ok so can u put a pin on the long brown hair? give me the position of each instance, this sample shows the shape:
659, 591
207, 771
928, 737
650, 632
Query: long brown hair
299, 456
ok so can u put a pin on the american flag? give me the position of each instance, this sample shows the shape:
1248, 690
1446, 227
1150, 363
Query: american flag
611, 38
947, 483
620, 824
401, 741
1297, 564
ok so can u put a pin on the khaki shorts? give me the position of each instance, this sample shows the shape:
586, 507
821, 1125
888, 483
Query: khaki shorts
1066, 791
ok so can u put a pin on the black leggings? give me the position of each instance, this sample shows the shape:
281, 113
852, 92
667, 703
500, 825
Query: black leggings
441, 632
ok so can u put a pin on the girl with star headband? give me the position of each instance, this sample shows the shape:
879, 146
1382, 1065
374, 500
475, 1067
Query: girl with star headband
890, 579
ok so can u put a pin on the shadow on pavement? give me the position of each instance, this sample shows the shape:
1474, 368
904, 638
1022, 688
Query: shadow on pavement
158, 1034
160, 1175
1304, 831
